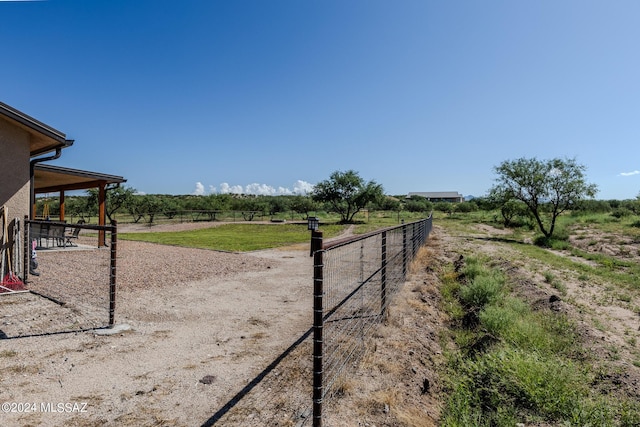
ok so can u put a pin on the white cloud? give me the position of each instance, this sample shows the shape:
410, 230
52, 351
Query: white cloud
260, 189
302, 187
225, 188
299, 188
630, 173
199, 191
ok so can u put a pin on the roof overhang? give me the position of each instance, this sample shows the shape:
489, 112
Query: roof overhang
49, 179
43, 139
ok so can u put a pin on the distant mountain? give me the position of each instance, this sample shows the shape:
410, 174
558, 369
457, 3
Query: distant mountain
469, 198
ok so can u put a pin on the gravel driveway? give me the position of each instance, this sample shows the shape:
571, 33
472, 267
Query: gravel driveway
194, 314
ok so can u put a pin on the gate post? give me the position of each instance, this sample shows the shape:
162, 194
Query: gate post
383, 275
318, 325
112, 272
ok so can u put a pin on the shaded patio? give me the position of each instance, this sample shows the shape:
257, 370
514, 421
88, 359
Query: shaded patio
57, 179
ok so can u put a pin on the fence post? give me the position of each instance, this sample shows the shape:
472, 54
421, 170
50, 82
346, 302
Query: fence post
318, 326
112, 273
316, 241
413, 240
383, 275
404, 251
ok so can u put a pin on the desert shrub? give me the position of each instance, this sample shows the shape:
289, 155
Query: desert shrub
621, 213
514, 213
473, 268
466, 207
497, 320
483, 290
591, 206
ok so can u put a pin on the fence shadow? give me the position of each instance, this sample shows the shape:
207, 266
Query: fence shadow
255, 382
4, 336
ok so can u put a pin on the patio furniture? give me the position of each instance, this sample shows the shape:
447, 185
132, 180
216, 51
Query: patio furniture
49, 234
56, 234
73, 235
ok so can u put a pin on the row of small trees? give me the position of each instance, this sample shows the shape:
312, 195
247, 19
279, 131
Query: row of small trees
148, 208
538, 189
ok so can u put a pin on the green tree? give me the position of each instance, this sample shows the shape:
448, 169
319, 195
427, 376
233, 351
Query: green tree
347, 193
171, 206
465, 207
277, 204
389, 203
152, 205
512, 209
76, 206
418, 204
445, 207
135, 207
548, 187
302, 205
213, 204
115, 199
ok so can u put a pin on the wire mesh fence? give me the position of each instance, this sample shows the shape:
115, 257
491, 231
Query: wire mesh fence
353, 283
69, 279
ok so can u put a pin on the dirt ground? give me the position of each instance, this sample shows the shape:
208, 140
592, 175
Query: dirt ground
194, 345
397, 383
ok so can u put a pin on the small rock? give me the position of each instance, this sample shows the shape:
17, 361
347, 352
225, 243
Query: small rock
426, 385
207, 379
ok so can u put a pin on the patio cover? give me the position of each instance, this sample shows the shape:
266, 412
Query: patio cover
49, 179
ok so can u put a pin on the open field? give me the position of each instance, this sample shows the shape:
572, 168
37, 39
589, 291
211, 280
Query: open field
205, 324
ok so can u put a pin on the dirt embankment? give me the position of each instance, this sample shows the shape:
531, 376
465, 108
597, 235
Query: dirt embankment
397, 384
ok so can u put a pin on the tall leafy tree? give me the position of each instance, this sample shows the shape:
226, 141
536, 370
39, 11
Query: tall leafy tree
547, 187
302, 205
116, 198
347, 193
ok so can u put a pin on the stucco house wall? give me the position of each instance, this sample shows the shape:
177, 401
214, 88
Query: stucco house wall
14, 169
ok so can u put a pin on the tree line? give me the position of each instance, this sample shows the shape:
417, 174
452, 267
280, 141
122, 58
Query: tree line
526, 189
151, 207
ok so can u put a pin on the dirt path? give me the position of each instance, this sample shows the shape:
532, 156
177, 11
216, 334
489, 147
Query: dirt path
220, 329
203, 325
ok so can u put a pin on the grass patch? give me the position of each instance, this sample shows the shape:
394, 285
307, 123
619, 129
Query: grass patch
235, 237
616, 272
516, 364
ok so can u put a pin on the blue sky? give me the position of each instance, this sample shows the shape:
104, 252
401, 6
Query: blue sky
186, 96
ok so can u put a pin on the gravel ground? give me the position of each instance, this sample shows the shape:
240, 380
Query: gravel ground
203, 324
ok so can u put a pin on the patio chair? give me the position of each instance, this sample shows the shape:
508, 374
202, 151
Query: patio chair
38, 232
73, 235
56, 234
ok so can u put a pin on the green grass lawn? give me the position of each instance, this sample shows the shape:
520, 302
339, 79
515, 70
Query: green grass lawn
236, 237
250, 237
